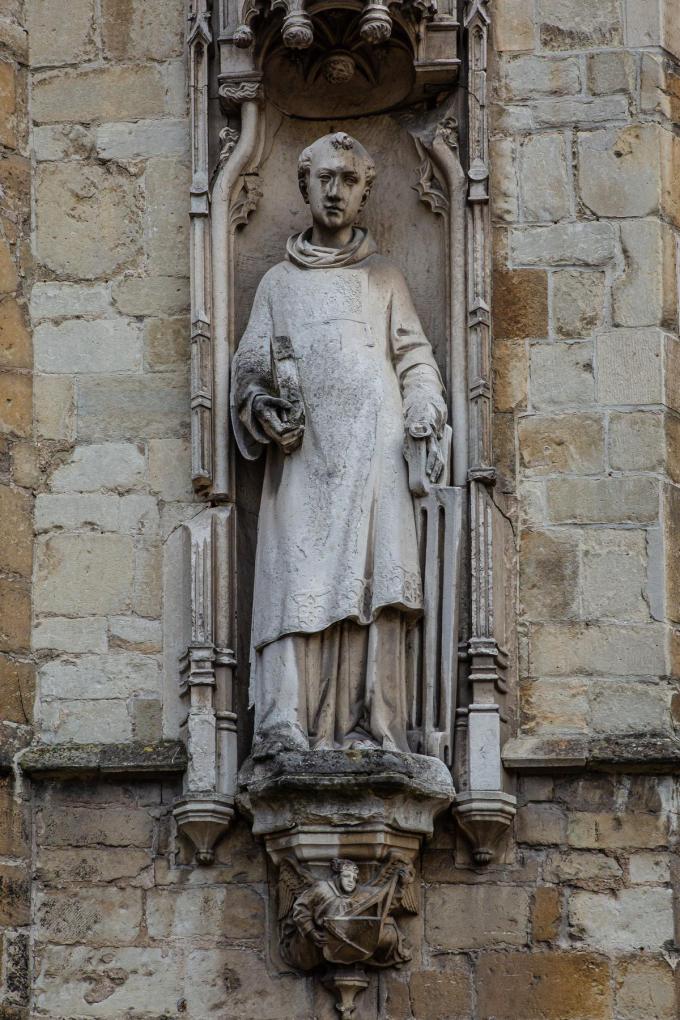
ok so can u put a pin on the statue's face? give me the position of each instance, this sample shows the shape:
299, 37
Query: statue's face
336, 188
348, 880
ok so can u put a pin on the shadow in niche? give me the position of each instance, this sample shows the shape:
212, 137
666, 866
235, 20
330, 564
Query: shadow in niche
405, 230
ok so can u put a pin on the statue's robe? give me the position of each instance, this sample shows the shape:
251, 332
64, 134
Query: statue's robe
337, 575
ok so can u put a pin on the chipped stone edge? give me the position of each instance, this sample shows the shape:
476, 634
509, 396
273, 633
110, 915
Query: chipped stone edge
49, 760
626, 753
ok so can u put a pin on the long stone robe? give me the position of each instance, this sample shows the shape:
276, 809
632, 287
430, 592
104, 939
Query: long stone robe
336, 536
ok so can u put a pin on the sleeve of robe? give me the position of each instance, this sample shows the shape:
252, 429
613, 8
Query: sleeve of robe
421, 384
251, 375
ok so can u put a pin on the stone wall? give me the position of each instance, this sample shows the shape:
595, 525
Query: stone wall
101, 912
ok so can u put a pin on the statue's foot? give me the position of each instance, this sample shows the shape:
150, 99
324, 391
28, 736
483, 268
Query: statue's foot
271, 743
361, 744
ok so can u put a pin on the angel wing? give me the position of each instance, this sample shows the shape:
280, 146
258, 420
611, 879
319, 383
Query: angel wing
293, 880
405, 893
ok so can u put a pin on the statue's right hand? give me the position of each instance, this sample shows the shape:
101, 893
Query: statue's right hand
272, 413
319, 937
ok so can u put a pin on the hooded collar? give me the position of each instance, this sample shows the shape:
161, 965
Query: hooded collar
301, 252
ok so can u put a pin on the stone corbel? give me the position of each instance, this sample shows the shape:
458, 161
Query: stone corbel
483, 808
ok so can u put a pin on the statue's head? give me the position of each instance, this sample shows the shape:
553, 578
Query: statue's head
347, 874
335, 174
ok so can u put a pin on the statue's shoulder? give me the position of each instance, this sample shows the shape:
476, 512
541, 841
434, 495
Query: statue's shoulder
385, 271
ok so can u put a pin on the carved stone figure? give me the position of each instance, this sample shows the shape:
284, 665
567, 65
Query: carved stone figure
335, 920
332, 375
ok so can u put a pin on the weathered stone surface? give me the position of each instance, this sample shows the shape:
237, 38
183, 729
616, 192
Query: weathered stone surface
118, 466
593, 871
670, 188
16, 556
610, 72
15, 895
580, 112
17, 690
110, 758
54, 142
511, 370
629, 920
135, 634
549, 574
646, 293
580, 244
577, 302
108, 825
561, 375
54, 407
630, 367
103, 511
572, 443
476, 916
621, 706
55, 39
555, 706
645, 990
607, 831
167, 227
15, 616
544, 986
504, 184
136, 30
520, 304
546, 914
88, 219
133, 408
596, 650
235, 910
166, 343
62, 634
153, 295
529, 76
650, 868
8, 104
76, 345
8, 270
578, 24
15, 339
143, 139
614, 574
16, 403
14, 829
106, 94
619, 170
545, 179
603, 500
541, 825
99, 916
96, 676
514, 26
59, 867
84, 574
636, 441
441, 994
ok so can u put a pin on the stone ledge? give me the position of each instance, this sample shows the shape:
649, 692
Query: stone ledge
42, 761
634, 753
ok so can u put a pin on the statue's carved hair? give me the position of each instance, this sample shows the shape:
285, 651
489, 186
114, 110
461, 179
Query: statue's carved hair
339, 864
339, 140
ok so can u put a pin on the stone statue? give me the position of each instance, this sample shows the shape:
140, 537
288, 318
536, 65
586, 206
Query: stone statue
336, 920
335, 377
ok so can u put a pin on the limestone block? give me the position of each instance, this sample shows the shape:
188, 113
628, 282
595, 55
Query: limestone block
138, 515
16, 544
105, 94
529, 76
670, 185
597, 650
580, 244
625, 707
619, 170
630, 367
637, 441
136, 30
59, 633
520, 305
111, 825
136, 634
8, 104
167, 224
630, 920
58, 867
510, 375
118, 675
148, 579
554, 706
464, 917
133, 408
85, 574
504, 187
541, 824
659, 87
118, 466
68, 512
99, 916
505, 453
70, 300
8, 272
544, 986
545, 178
230, 980
152, 295
607, 831
646, 868
55, 142
672, 445
75, 346
595, 871
143, 139
643, 22
671, 521
55, 39
579, 24
15, 616
572, 443
561, 375
15, 895
513, 26
441, 994
17, 690
546, 914
645, 990
672, 373
83, 981
610, 72
549, 572
170, 468
577, 302
88, 219
27, 465
647, 292
582, 111
15, 181
603, 500
54, 407
16, 403
15, 339
166, 343
614, 574
236, 910
103, 721
13, 821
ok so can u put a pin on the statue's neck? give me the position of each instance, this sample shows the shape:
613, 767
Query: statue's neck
324, 238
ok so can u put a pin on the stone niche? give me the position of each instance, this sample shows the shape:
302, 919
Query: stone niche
342, 817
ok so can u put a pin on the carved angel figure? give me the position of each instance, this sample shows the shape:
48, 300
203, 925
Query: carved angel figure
332, 375
335, 920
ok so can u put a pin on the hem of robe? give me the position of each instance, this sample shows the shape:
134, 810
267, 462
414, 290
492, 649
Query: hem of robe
414, 613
